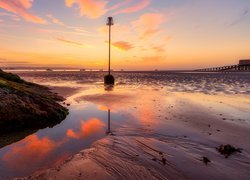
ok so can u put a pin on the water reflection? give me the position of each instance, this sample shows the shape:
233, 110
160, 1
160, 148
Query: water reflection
31, 151
109, 87
51, 146
87, 128
109, 128
9, 137
132, 110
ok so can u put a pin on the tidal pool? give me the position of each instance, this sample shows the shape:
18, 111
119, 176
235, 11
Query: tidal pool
86, 123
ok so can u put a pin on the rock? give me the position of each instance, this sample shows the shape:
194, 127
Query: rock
205, 160
26, 105
164, 161
228, 150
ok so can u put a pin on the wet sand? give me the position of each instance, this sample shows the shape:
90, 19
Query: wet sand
166, 136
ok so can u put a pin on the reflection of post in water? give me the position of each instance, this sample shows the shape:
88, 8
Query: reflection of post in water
108, 87
109, 130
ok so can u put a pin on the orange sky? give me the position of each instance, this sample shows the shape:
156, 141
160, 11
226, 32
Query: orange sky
148, 34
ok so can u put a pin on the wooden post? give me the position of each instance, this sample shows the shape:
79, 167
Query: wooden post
109, 79
109, 45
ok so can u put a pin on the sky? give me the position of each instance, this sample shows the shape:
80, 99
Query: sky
147, 34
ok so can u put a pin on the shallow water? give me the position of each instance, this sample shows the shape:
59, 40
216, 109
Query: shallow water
209, 83
86, 123
141, 103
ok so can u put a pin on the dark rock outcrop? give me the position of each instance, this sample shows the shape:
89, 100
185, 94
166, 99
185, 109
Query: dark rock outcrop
27, 106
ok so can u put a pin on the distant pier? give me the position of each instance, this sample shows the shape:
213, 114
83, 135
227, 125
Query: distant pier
243, 66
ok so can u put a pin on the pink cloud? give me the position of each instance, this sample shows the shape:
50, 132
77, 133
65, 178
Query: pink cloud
26, 3
119, 5
69, 3
122, 45
96, 8
20, 7
137, 7
88, 128
90, 8
55, 20
32, 149
75, 43
148, 24
10, 15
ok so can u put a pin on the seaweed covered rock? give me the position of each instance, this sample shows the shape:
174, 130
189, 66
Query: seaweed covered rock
228, 150
25, 105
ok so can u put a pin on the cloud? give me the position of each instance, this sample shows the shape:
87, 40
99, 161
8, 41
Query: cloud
158, 49
241, 17
32, 149
122, 45
96, 8
12, 16
69, 3
103, 108
26, 3
71, 30
119, 5
20, 7
90, 8
88, 128
55, 20
137, 7
148, 24
75, 43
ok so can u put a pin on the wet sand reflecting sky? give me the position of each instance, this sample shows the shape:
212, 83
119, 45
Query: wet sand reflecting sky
134, 109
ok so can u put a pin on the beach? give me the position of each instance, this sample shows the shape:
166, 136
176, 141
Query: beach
151, 125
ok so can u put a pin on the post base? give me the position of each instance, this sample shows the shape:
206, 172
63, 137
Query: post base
109, 80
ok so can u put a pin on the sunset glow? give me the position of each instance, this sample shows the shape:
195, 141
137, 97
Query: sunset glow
148, 34
88, 128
